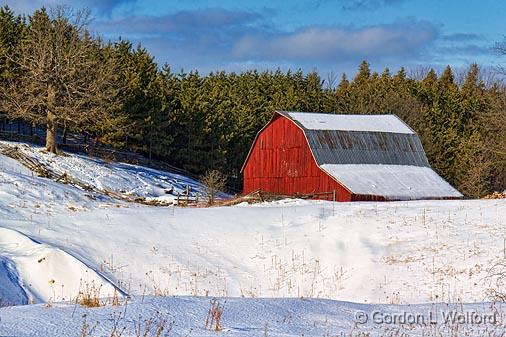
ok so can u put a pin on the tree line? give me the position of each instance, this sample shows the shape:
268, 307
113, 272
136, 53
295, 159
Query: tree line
53, 72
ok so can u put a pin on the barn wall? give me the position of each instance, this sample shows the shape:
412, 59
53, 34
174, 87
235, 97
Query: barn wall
363, 197
281, 162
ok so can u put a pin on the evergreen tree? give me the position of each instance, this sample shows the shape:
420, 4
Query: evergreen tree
12, 28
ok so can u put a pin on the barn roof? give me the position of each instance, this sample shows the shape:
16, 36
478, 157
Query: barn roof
394, 182
360, 139
371, 123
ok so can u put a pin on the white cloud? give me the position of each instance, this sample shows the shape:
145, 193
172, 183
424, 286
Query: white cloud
338, 43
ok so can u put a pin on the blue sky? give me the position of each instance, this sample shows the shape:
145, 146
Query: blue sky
322, 35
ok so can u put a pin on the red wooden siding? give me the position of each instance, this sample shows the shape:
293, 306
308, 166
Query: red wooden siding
366, 197
281, 162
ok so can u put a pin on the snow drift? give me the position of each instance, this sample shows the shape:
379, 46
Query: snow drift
35, 272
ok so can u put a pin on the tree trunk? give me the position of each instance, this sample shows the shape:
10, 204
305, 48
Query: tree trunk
52, 126
51, 133
64, 137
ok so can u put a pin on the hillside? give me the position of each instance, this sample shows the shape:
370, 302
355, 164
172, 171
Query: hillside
57, 240
126, 179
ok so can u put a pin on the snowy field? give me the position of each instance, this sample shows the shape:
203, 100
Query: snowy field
56, 240
186, 316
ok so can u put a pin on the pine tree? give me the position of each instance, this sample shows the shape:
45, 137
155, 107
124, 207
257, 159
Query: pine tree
473, 98
361, 90
12, 28
342, 93
364, 73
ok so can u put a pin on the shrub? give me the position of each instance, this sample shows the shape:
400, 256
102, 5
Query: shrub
214, 182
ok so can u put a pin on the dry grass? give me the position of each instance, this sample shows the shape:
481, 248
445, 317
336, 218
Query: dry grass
89, 295
116, 330
115, 300
214, 315
155, 326
87, 329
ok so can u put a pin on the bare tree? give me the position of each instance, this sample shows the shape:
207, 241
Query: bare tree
214, 182
500, 48
489, 76
419, 73
65, 77
331, 80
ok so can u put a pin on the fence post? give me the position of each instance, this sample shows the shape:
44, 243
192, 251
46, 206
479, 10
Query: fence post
333, 202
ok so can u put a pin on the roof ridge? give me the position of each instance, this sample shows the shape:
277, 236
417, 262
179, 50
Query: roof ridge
283, 112
386, 123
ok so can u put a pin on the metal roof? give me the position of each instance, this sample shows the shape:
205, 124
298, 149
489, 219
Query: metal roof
375, 123
394, 182
360, 139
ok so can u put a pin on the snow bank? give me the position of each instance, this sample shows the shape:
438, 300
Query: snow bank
39, 273
11, 291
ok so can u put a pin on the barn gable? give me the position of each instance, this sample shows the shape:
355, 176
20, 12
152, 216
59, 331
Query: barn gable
280, 161
370, 157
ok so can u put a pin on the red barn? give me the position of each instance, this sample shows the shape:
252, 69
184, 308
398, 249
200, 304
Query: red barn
355, 157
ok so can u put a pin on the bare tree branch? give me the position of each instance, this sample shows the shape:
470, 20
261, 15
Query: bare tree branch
65, 77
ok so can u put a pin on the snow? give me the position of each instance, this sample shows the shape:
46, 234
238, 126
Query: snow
186, 316
123, 178
46, 273
397, 182
272, 254
371, 123
10, 287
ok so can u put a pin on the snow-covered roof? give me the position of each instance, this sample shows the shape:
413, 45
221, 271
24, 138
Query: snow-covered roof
370, 123
394, 182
